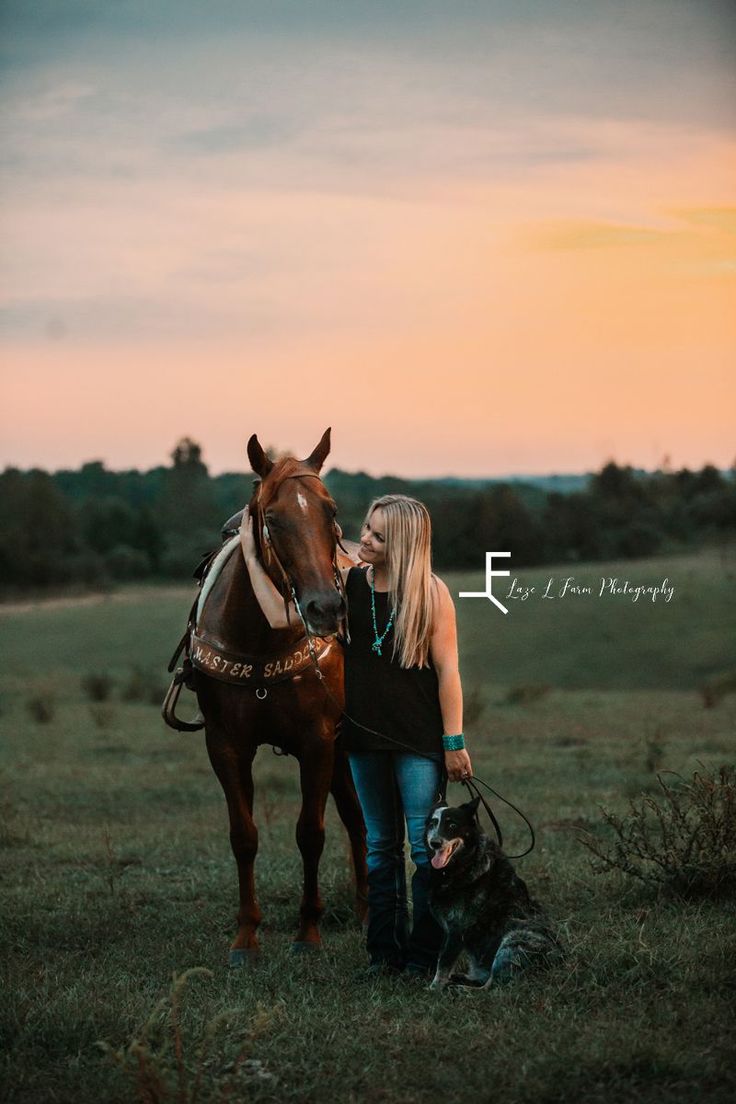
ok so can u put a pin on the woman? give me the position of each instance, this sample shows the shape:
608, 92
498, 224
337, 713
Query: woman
403, 715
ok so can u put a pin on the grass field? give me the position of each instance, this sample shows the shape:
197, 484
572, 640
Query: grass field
117, 871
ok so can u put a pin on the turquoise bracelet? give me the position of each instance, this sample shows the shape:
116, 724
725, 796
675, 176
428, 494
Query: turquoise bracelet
453, 743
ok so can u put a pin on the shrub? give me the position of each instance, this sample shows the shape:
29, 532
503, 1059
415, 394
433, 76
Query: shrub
97, 686
716, 688
166, 1064
102, 715
473, 708
42, 708
654, 747
124, 562
525, 695
682, 840
143, 686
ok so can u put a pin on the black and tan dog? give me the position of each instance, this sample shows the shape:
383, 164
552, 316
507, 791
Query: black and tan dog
481, 903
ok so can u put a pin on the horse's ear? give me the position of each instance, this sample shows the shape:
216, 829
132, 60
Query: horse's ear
319, 454
259, 462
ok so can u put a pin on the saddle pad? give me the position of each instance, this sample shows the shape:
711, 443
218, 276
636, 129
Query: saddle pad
212, 575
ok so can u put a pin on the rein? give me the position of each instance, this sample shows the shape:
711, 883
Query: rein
471, 783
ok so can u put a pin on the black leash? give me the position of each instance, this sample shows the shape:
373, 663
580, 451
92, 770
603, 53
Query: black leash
471, 783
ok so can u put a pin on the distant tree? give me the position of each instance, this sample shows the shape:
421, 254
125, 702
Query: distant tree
190, 518
697, 483
708, 479
615, 483
38, 534
91, 480
148, 538
187, 455
572, 527
124, 562
188, 503
454, 532
92, 524
519, 532
107, 522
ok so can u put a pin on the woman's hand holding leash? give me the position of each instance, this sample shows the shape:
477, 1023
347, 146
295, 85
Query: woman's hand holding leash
458, 765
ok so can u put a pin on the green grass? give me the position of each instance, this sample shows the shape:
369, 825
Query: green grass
117, 872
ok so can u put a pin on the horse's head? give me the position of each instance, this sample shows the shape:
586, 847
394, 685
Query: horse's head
296, 532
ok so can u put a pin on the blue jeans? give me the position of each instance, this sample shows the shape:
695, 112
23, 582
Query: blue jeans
393, 787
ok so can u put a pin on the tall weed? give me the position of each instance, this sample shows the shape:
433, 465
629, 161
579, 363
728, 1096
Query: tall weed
97, 686
208, 1065
682, 840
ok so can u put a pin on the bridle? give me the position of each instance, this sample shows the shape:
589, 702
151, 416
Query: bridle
269, 554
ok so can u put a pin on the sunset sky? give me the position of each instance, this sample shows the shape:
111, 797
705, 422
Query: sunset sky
475, 238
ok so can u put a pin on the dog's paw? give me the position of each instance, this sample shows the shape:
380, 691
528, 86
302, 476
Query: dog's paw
437, 983
466, 981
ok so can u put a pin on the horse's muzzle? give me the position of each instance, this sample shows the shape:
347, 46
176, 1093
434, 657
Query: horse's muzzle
323, 612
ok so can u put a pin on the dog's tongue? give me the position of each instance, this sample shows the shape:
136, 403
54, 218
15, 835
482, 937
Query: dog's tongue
442, 857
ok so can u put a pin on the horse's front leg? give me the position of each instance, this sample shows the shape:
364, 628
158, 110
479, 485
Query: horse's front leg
315, 768
234, 768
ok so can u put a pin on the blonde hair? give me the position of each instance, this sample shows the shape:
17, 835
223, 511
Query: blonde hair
408, 537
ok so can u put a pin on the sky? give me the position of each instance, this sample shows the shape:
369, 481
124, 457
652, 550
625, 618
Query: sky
475, 238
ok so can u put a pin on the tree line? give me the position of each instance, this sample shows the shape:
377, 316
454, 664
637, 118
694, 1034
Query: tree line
91, 526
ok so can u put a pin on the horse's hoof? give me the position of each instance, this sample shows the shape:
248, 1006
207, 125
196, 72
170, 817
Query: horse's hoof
242, 956
300, 947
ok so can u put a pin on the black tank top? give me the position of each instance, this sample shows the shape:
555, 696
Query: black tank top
402, 702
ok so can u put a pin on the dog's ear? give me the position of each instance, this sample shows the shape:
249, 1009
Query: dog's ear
472, 806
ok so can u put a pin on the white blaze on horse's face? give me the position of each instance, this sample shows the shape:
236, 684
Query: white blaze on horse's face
302, 501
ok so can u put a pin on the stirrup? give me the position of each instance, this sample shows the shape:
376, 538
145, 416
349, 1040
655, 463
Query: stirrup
168, 709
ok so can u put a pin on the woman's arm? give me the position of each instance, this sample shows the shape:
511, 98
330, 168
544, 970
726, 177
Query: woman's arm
268, 596
443, 650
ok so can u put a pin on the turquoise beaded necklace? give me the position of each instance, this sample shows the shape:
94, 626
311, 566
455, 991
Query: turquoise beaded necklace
378, 640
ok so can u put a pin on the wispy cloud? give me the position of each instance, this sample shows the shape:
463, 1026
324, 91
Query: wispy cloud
689, 235
52, 104
574, 234
127, 320
254, 132
722, 219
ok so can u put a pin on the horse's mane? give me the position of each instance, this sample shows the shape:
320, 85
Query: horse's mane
285, 465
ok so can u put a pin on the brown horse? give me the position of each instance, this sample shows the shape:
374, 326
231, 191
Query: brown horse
288, 688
